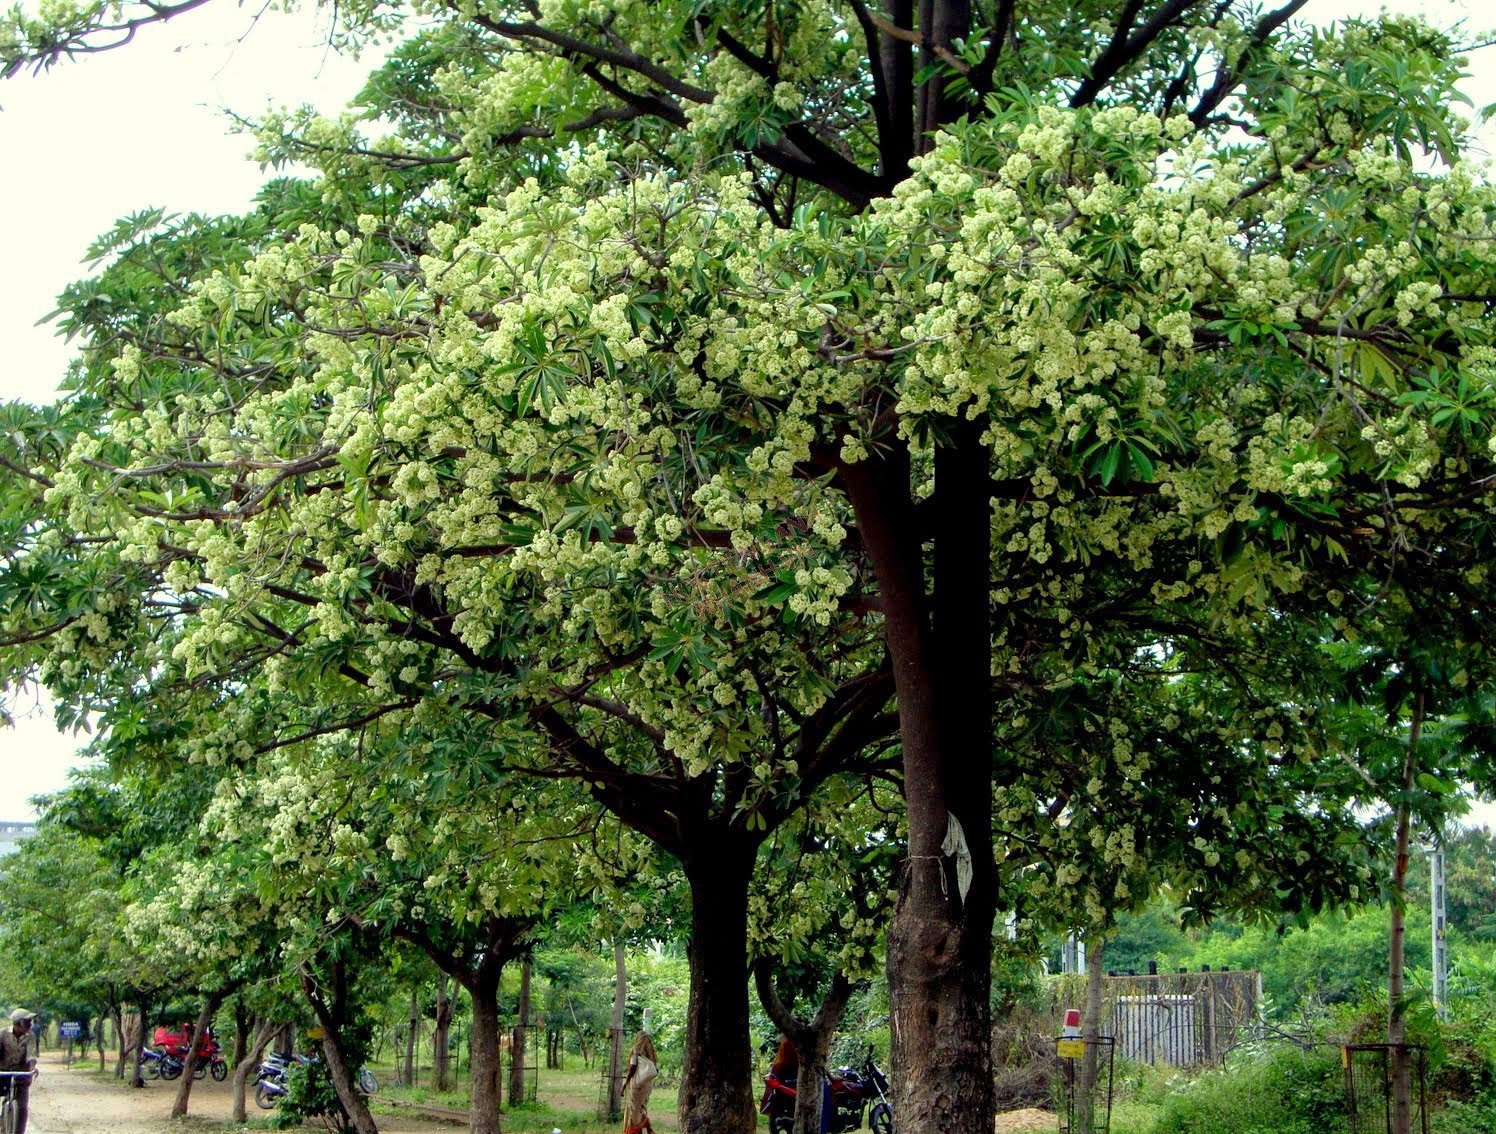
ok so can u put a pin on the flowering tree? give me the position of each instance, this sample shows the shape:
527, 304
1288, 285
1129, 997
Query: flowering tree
696, 379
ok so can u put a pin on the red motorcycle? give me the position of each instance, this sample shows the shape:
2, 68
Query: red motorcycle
852, 1095
174, 1045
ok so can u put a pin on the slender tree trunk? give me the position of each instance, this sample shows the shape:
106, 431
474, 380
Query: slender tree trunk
441, 1065
716, 1093
581, 1034
939, 939
1085, 1087
331, 1016
615, 1031
521, 1032
189, 1061
410, 1040
1402, 1070
812, 1041
144, 1007
264, 1031
120, 1040
486, 1097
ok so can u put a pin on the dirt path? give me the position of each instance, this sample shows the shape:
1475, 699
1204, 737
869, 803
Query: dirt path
79, 1100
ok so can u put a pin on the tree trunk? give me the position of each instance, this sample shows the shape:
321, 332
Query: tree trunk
1085, 1086
939, 939
483, 987
812, 1041
409, 1076
243, 1027
615, 1031
255, 1051
716, 1094
144, 1007
331, 1017
189, 1061
1402, 1070
517, 1040
441, 1065
581, 1034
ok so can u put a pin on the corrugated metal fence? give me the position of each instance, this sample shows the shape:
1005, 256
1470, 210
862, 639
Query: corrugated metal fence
1181, 1019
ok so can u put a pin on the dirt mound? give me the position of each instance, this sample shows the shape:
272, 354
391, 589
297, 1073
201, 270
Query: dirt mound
1015, 1121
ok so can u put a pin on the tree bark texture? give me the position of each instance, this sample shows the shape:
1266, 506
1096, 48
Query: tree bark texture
715, 1095
517, 1042
483, 989
441, 1056
264, 1031
189, 1061
331, 1014
939, 939
1085, 1084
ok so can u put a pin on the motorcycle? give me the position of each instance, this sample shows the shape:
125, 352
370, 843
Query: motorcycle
210, 1061
270, 1084
158, 1064
852, 1095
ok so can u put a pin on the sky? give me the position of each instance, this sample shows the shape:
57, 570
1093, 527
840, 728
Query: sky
108, 135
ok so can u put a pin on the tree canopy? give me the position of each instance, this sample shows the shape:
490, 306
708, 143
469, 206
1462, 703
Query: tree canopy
706, 404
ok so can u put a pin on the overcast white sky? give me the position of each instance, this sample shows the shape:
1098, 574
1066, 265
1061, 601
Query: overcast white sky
94, 140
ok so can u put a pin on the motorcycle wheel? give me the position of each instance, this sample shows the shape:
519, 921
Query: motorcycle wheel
170, 1069
881, 1121
264, 1099
219, 1070
150, 1069
781, 1124
366, 1081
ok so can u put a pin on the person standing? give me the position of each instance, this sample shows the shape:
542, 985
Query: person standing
638, 1081
18, 1053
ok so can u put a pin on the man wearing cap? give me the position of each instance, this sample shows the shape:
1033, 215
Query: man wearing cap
18, 1053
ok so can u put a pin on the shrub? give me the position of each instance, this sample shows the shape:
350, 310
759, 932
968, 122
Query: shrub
1279, 1090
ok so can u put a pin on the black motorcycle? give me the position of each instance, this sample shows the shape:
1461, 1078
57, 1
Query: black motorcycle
159, 1064
854, 1095
270, 1085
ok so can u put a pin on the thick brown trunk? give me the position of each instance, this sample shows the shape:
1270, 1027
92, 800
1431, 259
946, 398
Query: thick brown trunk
1402, 1071
615, 1031
242, 1025
518, 1039
943, 22
199, 1032
249, 1065
716, 1095
939, 940
441, 1057
484, 993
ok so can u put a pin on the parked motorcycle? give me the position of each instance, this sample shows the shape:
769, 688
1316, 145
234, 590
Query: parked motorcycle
158, 1064
210, 1060
270, 1084
853, 1095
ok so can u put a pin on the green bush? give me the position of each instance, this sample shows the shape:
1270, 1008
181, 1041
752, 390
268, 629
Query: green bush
1277, 1091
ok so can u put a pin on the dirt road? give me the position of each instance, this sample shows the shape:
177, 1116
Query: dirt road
79, 1100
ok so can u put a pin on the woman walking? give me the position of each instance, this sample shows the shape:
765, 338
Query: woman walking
637, 1083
